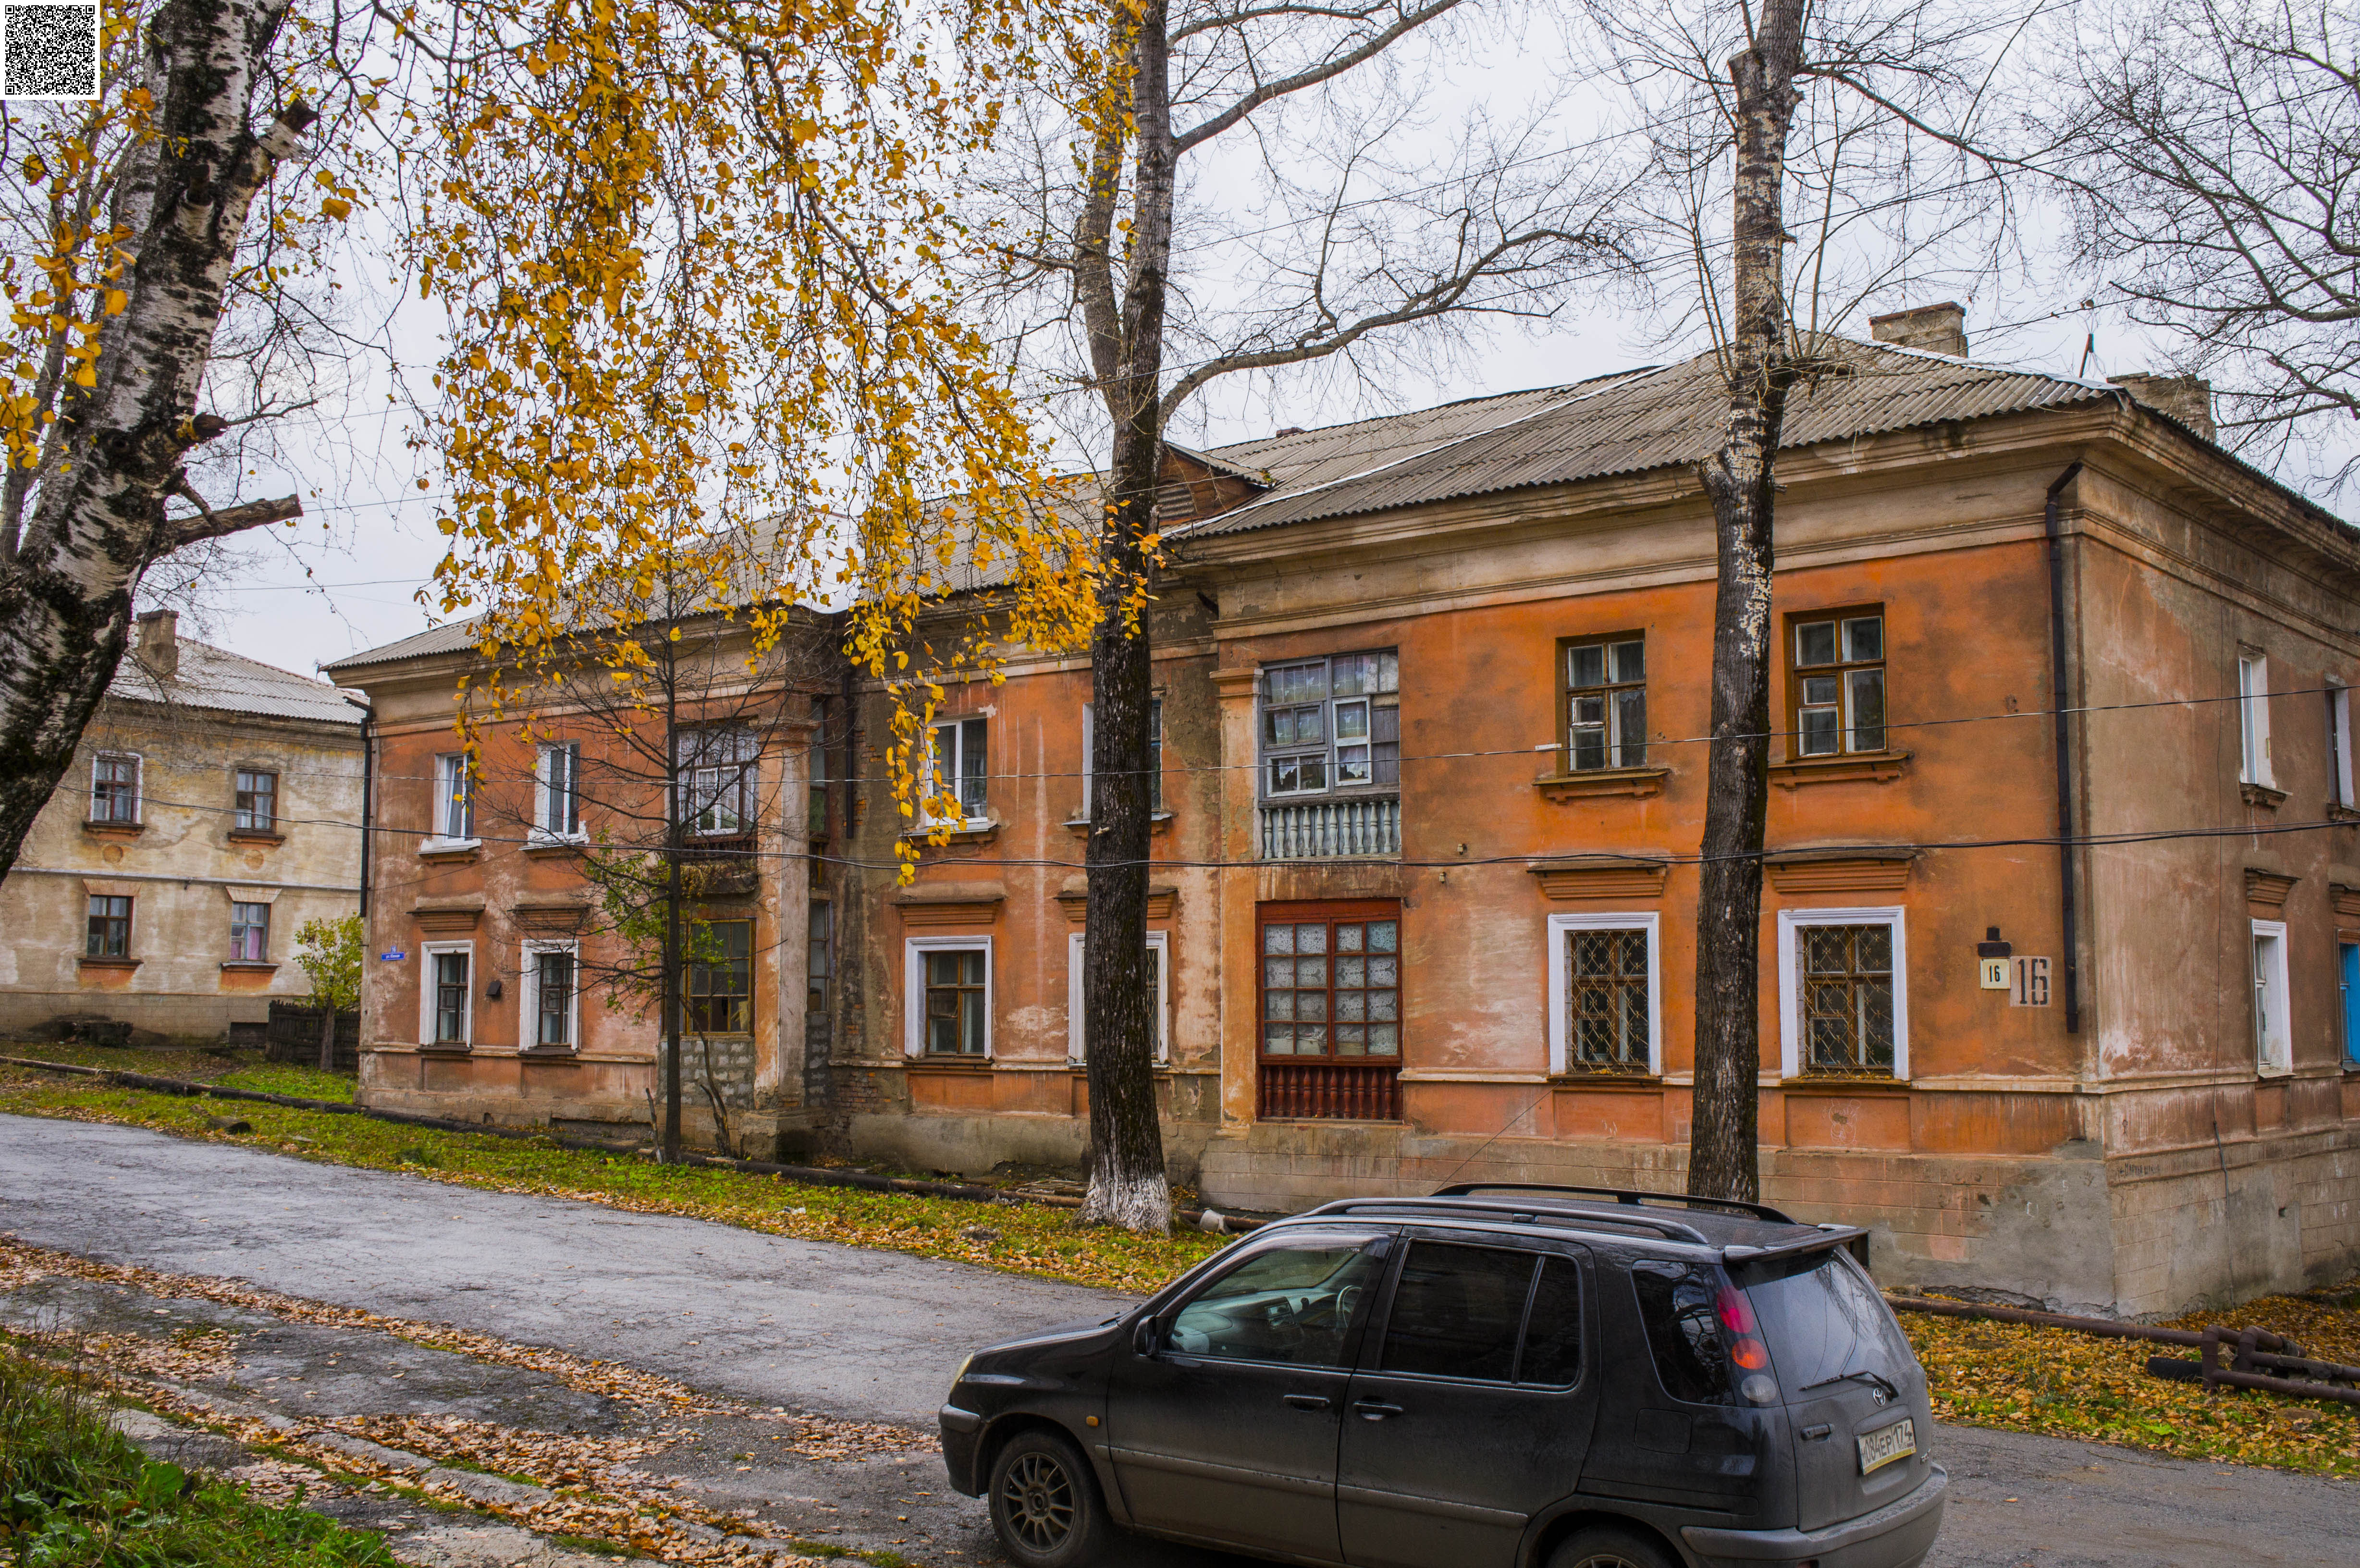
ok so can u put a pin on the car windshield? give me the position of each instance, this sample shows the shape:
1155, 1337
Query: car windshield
1824, 1319
1292, 1303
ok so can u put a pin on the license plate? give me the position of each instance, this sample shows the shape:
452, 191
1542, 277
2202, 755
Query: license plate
1887, 1443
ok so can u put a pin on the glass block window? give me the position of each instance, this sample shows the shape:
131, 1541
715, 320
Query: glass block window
1846, 981
256, 801
1606, 704
1332, 989
250, 933
958, 1000
1606, 1001
720, 998
1838, 683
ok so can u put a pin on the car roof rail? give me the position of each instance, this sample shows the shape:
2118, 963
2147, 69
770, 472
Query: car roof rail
1669, 1229
1620, 1195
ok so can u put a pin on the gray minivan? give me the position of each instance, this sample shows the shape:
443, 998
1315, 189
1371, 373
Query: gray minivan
1489, 1377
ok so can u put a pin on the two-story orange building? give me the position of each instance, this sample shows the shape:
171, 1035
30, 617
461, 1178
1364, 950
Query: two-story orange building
1433, 689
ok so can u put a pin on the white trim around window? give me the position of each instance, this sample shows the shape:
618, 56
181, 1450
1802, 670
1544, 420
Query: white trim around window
914, 987
1790, 1022
1560, 1042
529, 1023
557, 795
1158, 943
2339, 744
426, 955
2254, 765
454, 806
2273, 1032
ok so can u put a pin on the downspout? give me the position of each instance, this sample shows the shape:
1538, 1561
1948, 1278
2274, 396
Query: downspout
369, 803
2056, 703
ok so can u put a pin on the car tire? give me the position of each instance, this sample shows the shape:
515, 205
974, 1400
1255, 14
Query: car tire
1607, 1547
1045, 1506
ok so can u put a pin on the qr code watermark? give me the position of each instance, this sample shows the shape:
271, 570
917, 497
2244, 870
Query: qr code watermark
49, 51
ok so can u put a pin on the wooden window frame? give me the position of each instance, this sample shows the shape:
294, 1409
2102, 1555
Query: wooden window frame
913, 993
1841, 671
238, 925
690, 996
551, 824
529, 1027
135, 799
2254, 764
969, 784
245, 817
102, 928
454, 797
1155, 757
1384, 771
1347, 912
2273, 1008
1616, 747
1159, 947
430, 1011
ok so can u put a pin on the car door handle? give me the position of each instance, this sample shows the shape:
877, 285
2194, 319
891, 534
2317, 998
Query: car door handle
1376, 1410
1309, 1401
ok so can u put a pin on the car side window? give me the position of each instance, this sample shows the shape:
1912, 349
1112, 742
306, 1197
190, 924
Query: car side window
1677, 1304
1292, 1304
1457, 1312
1552, 1355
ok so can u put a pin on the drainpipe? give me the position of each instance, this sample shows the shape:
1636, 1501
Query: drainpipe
2064, 766
368, 804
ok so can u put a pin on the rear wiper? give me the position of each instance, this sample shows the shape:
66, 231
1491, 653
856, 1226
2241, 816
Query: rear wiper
1886, 1384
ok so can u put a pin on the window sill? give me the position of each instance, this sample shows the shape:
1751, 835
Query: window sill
975, 830
249, 966
951, 1063
2344, 815
546, 846
445, 1048
1845, 1083
2272, 1075
1592, 783
1157, 823
256, 835
1606, 1078
455, 850
551, 1055
2262, 795
123, 965
1857, 768
114, 830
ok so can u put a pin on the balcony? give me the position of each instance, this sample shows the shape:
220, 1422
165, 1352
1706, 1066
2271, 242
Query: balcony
1330, 830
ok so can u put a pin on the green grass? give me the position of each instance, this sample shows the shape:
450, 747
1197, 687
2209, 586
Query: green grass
1028, 1239
75, 1493
233, 1067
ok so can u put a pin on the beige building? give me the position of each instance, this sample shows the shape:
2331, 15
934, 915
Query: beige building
213, 806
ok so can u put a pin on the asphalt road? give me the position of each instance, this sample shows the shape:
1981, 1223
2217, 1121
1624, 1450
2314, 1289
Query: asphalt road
874, 1335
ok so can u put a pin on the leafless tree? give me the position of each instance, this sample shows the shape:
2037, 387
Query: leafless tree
1351, 228
2211, 151
1844, 145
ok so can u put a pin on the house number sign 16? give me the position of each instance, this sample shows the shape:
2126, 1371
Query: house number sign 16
1991, 961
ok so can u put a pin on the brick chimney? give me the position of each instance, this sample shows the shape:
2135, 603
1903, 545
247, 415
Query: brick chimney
1937, 329
2188, 399
159, 643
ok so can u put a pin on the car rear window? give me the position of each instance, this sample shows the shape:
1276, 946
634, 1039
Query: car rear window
1824, 1319
1676, 1304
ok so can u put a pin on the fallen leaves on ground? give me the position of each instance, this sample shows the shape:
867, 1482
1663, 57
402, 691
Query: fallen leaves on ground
551, 1458
825, 1437
2024, 1377
210, 1353
1021, 1237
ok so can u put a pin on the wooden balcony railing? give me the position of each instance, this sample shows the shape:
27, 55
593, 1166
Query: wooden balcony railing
1357, 1092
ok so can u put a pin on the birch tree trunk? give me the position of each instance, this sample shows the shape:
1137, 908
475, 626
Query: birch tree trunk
1724, 1130
98, 521
1129, 1185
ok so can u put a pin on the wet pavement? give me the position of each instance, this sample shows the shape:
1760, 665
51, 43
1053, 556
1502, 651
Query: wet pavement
783, 1327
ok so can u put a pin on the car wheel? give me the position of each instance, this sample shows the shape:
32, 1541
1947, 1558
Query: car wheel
1045, 1506
1611, 1548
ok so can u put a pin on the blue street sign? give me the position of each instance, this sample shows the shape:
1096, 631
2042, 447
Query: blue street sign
393, 957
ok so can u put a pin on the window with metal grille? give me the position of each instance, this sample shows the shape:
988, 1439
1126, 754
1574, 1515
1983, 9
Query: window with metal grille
1847, 984
110, 927
1836, 682
1606, 704
552, 991
1607, 1022
720, 991
250, 933
1331, 724
958, 1000
1332, 989
115, 789
256, 801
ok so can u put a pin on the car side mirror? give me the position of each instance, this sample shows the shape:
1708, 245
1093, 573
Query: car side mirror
1144, 1338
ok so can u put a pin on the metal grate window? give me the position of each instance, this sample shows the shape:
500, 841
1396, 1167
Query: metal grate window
1606, 997
1847, 983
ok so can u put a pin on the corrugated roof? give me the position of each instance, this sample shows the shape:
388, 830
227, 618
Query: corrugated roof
1658, 419
217, 681
449, 638
1338, 452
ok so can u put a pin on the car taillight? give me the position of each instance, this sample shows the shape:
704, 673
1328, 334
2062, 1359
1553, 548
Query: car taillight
1736, 1312
1745, 1348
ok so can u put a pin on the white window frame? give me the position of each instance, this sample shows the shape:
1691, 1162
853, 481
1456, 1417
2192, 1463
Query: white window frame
426, 953
2254, 720
545, 793
1328, 748
1560, 981
730, 756
1790, 996
1154, 751
913, 988
2273, 1023
529, 1029
139, 787
450, 766
1160, 944
931, 779
2339, 744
